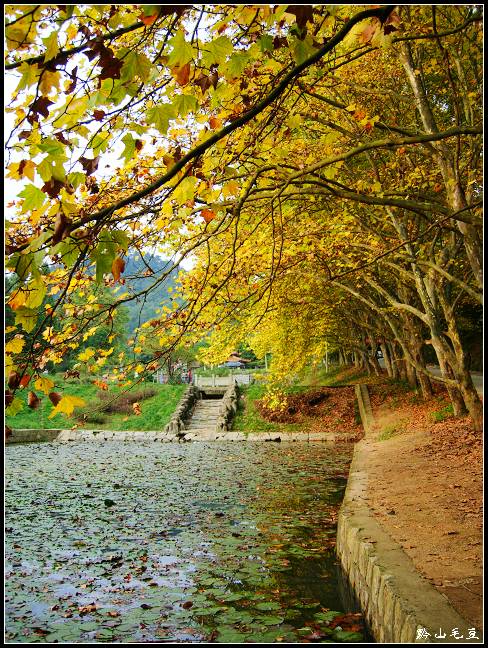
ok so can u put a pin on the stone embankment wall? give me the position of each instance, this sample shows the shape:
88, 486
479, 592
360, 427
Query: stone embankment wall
228, 408
182, 412
32, 436
396, 600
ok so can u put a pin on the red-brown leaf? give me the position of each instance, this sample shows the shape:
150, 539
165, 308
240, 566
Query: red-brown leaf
208, 215
32, 400
118, 266
25, 380
54, 397
89, 165
13, 380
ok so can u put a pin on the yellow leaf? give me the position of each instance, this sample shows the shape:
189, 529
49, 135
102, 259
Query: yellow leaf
86, 355
36, 293
230, 189
28, 169
66, 405
44, 384
138, 349
15, 345
52, 47
48, 81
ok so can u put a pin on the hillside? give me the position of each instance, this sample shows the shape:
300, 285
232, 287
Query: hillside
140, 275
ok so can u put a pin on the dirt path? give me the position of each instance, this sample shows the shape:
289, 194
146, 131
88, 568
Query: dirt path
425, 488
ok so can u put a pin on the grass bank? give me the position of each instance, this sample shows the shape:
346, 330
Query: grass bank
248, 418
104, 410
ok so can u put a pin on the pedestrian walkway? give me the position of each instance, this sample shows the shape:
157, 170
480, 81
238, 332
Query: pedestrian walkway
205, 415
477, 376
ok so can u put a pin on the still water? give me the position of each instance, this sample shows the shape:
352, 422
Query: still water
150, 542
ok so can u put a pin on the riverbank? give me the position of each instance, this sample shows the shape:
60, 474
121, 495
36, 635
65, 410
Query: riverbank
425, 489
410, 528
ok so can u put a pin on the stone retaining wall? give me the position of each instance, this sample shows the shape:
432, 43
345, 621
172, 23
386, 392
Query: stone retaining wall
395, 599
32, 436
228, 408
182, 412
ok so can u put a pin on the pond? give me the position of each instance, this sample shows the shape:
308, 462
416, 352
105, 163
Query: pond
197, 542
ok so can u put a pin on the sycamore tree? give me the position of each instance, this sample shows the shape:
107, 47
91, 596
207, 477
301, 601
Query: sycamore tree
319, 165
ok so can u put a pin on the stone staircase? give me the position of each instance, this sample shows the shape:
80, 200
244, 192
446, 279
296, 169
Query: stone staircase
205, 416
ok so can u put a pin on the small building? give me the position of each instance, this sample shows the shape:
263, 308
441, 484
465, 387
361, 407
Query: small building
235, 362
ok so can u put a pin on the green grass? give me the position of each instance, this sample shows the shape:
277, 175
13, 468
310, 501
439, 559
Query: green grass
443, 414
156, 411
248, 418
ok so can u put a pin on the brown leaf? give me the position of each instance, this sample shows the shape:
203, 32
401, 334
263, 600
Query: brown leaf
187, 605
61, 228
40, 106
25, 380
8, 432
54, 397
9, 397
13, 380
167, 10
86, 609
111, 67
203, 82
280, 41
182, 74
53, 187
61, 138
32, 400
214, 122
149, 20
138, 144
89, 166
302, 13
136, 407
99, 115
118, 266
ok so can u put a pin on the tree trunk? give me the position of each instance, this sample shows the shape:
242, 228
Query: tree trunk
393, 362
455, 395
386, 358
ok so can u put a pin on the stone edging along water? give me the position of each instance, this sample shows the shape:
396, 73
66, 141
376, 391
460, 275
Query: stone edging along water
395, 599
34, 436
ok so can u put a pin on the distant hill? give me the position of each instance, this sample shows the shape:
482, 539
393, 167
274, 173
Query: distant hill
138, 277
